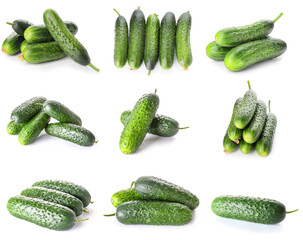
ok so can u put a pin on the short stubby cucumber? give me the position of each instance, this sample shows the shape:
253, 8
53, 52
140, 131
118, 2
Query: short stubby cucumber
72, 133
246, 147
152, 188
235, 133
126, 195
20, 26
12, 44
23, 45
67, 187
229, 145
216, 52
250, 209
13, 128
230, 37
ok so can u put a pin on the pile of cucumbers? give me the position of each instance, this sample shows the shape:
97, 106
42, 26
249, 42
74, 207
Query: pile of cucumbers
151, 40
52, 204
242, 47
250, 126
45, 43
32, 116
153, 201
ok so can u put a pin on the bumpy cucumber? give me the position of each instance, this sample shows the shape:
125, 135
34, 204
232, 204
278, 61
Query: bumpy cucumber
72, 133
216, 52
121, 41
69, 44
167, 40
139, 122
24, 45
229, 145
183, 48
12, 44
247, 109
66, 187
152, 188
235, 133
250, 209
230, 37
20, 26
40, 34
61, 113
136, 39
264, 144
13, 128
246, 147
126, 195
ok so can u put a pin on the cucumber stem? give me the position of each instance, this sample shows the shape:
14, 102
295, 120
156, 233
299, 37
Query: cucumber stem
269, 105
96, 141
84, 210
148, 74
91, 202
139, 7
248, 84
110, 215
41, 104
9, 23
21, 57
277, 18
292, 211
81, 220
94, 67
227, 152
4, 51
186, 69
116, 11
132, 184
183, 128
155, 90
236, 141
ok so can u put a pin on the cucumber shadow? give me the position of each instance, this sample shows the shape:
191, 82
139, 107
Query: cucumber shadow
152, 140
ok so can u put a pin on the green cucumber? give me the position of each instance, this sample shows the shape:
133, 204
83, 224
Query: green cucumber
121, 41
230, 37
12, 44
152, 188
33, 128
264, 144
126, 195
250, 209
216, 52
235, 133
24, 45
61, 113
151, 50
183, 48
229, 145
40, 34
246, 147
167, 40
247, 109
72, 133
136, 39
66, 187
139, 122
13, 128
20, 26
27, 110
69, 44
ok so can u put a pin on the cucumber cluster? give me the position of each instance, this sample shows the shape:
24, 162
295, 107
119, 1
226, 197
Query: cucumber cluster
242, 47
250, 126
32, 116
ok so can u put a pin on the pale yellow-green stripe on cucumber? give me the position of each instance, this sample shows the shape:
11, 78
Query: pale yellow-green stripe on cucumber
235, 133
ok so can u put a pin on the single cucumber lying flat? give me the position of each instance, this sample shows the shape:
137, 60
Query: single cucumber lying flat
246, 147
235, 133
216, 52
20, 26
12, 44
126, 195
23, 45
13, 128
229, 145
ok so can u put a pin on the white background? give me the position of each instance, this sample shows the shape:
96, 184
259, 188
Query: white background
201, 98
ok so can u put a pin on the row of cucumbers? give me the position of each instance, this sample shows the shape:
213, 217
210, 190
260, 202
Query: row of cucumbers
44, 43
32, 116
242, 47
151, 40
250, 126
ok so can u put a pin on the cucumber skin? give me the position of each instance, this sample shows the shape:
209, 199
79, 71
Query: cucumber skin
248, 54
235, 133
136, 39
264, 144
216, 52
167, 41
61, 113
72, 133
246, 147
13, 128
126, 195
23, 45
139, 122
40, 34
249, 209
121, 42
66, 187
27, 110
152, 188
153, 213
20, 26
42, 213
12, 44
229, 145
183, 48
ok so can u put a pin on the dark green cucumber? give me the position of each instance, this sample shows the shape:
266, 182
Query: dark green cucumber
264, 144
13, 128
121, 41
229, 145
139, 122
235, 133
66, 187
183, 48
55, 196
250, 209
151, 50
69, 44
12, 44
33, 128
246, 147
27, 110
167, 40
216, 52
247, 109
61, 113
230, 37
126, 195
23, 45
248, 54
253, 131
20, 26
136, 39
40, 34
152, 188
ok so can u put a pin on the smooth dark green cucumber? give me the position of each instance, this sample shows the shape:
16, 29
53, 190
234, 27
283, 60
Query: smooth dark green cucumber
13, 128
23, 45
216, 52
152, 188
126, 195
246, 147
20, 26
12, 44
66, 187
229, 145
235, 133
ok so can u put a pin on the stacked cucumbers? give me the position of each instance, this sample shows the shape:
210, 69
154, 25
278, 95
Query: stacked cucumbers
242, 47
151, 40
32, 116
153, 201
250, 126
51, 204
